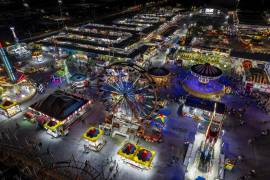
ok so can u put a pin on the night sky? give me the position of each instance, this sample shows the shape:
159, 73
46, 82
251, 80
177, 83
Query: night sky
245, 4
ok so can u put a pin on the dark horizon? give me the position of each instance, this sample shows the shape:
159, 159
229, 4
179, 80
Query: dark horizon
243, 4
28, 15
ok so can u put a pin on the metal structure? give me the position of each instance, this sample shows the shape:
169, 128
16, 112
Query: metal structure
19, 50
7, 65
16, 39
204, 157
126, 88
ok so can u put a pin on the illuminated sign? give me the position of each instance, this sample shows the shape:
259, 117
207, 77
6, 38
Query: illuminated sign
209, 11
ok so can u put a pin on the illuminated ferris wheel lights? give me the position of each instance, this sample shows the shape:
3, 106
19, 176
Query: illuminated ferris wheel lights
127, 92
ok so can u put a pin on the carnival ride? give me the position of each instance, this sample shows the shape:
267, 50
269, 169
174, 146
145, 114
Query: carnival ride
152, 129
79, 80
18, 92
204, 157
18, 50
7, 64
128, 94
137, 156
15, 88
159, 121
62, 74
205, 72
203, 82
160, 75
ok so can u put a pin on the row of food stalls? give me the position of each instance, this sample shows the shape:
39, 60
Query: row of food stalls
80, 56
100, 29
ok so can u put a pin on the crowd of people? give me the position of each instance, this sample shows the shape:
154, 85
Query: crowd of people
262, 99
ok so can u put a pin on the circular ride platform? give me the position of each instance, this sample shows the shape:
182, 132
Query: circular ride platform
203, 82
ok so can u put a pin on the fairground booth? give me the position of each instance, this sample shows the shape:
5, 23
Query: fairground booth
94, 139
256, 79
58, 111
9, 108
242, 61
137, 156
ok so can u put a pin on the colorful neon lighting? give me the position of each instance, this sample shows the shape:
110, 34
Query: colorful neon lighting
93, 134
140, 157
161, 118
7, 64
67, 74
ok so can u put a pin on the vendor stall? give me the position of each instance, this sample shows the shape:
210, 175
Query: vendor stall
9, 108
94, 139
137, 156
256, 79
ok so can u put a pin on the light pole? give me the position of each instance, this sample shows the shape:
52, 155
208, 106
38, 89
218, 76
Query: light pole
60, 2
237, 4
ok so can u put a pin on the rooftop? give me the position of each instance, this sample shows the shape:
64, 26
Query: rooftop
250, 55
205, 104
59, 105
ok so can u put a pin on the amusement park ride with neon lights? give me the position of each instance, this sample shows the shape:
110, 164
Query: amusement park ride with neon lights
7, 65
19, 50
203, 83
15, 90
129, 95
204, 158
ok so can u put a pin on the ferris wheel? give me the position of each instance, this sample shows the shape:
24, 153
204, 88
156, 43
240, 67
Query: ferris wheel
127, 89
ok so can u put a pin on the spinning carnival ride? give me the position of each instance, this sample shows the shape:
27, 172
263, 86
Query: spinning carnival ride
204, 157
128, 90
128, 94
203, 82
